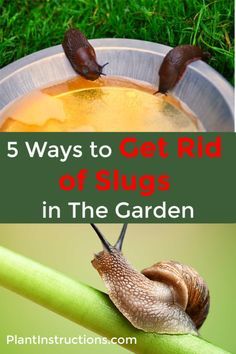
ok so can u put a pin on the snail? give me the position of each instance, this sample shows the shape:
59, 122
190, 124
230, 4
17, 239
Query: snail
81, 55
167, 297
175, 64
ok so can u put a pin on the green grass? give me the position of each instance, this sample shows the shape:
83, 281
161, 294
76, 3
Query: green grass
28, 26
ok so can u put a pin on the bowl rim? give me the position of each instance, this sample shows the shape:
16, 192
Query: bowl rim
100, 44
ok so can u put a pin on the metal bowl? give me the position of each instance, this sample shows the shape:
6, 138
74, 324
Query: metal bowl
205, 92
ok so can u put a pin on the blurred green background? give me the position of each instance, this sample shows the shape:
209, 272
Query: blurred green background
69, 249
30, 25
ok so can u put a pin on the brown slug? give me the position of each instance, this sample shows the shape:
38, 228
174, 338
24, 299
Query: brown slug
167, 297
81, 55
175, 64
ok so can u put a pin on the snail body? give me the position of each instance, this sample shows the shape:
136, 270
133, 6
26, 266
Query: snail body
81, 55
165, 298
175, 64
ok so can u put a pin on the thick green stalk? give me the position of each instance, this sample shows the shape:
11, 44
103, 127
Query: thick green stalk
88, 307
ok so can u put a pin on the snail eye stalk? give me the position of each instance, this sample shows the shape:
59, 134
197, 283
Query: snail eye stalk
107, 246
120, 240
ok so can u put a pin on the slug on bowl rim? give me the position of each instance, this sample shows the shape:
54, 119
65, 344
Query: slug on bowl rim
202, 89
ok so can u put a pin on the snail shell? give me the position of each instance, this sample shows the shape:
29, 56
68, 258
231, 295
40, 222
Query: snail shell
189, 289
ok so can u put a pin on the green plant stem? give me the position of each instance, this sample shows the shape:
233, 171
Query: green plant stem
88, 307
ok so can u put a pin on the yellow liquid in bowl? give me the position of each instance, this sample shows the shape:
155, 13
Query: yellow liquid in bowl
108, 104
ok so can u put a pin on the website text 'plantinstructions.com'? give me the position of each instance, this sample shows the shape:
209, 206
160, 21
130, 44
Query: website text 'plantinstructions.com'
14, 339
